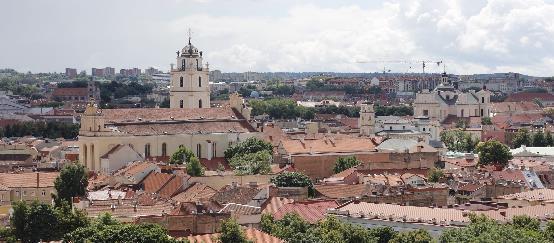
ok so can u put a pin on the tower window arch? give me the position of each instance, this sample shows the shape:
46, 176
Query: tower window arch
198, 150
164, 149
199, 81
147, 150
181, 103
199, 103
183, 64
181, 82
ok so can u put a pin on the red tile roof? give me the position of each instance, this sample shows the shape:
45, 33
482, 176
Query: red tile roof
166, 114
273, 204
529, 96
311, 211
196, 192
155, 181
28, 180
70, 92
342, 190
251, 233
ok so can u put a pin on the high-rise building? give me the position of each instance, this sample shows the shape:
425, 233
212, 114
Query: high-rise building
70, 72
190, 85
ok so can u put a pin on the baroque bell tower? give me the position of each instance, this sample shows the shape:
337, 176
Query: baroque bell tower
190, 85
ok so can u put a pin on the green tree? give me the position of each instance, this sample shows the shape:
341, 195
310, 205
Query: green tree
539, 140
291, 228
38, 221
248, 146
294, 179
548, 138
522, 137
434, 174
344, 163
549, 231
414, 236
72, 182
251, 163
526, 222
458, 141
486, 121
231, 232
194, 168
120, 233
383, 234
493, 152
483, 229
181, 155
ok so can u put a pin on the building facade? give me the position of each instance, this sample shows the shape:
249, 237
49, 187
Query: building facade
190, 84
445, 101
156, 133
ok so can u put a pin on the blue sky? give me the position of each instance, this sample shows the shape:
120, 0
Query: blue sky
471, 36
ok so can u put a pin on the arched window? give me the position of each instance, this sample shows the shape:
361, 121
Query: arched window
181, 103
183, 64
482, 99
147, 150
198, 150
181, 82
199, 103
462, 113
164, 149
92, 156
199, 81
85, 155
214, 150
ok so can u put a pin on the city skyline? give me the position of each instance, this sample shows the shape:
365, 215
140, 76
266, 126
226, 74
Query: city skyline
289, 36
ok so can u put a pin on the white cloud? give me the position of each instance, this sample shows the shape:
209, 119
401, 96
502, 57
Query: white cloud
285, 35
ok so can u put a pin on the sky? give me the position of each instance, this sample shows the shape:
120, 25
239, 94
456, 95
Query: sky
468, 36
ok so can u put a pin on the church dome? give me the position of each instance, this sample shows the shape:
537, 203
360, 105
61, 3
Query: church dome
189, 50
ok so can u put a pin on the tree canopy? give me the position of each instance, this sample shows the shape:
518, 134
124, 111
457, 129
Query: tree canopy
493, 152
41, 129
458, 141
483, 229
72, 182
252, 163
294, 179
106, 229
194, 167
181, 155
231, 232
248, 146
281, 109
344, 163
434, 174
38, 221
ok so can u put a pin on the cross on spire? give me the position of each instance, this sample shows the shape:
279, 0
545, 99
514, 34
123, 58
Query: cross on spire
190, 35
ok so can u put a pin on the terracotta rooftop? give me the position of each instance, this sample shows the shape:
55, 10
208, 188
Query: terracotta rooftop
508, 175
239, 194
251, 233
528, 96
70, 92
311, 211
328, 145
155, 181
28, 180
134, 168
273, 204
342, 190
196, 192
534, 195
201, 126
166, 114
240, 209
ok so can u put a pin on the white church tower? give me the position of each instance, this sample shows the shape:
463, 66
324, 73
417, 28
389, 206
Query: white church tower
190, 84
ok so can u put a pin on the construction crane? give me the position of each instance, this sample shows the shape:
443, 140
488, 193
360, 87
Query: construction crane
423, 62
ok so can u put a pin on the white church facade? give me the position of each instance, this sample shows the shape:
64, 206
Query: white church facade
156, 133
